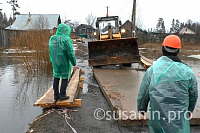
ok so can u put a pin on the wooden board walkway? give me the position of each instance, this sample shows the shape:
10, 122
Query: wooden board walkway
145, 61
121, 87
47, 100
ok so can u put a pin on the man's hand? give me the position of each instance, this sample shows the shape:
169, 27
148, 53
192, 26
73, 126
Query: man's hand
74, 68
142, 113
189, 114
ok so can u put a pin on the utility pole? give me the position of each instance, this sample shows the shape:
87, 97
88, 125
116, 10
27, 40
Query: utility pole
107, 11
133, 18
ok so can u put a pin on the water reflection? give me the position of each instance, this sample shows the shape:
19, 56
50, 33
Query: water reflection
18, 94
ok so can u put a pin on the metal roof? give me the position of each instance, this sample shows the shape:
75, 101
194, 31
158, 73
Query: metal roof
86, 26
31, 21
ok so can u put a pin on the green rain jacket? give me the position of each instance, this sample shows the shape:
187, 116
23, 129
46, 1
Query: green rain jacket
61, 52
171, 88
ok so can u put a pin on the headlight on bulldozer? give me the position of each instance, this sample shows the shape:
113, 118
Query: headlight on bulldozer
123, 30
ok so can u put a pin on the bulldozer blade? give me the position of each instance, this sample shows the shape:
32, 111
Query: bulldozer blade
113, 51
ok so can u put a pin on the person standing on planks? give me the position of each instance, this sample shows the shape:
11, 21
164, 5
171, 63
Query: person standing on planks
63, 58
171, 87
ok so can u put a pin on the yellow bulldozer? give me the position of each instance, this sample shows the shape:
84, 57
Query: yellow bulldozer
110, 48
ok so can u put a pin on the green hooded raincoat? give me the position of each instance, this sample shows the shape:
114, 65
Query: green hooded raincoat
61, 52
171, 88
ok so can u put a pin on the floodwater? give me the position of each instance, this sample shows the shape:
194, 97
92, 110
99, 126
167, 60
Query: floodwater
18, 94
20, 91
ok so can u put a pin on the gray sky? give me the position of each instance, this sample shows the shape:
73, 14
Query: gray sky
148, 11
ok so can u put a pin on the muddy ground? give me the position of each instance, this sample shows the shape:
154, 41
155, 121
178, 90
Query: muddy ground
92, 98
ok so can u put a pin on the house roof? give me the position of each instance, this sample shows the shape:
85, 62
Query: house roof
127, 22
86, 26
30, 21
185, 30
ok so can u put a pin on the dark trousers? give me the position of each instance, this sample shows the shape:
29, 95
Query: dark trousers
62, 88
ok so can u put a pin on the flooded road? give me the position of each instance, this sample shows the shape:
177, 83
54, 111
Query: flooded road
20, 91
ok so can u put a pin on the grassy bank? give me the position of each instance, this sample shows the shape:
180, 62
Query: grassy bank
37, 41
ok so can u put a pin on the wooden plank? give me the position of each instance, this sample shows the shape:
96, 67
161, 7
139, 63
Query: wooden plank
147, 62
72, 90
77, 103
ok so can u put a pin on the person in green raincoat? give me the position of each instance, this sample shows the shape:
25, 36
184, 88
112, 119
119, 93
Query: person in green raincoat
63, 58
171, 88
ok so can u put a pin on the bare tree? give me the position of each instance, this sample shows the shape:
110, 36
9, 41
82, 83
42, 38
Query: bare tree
41, 22
90, 19
139, 22
73, 24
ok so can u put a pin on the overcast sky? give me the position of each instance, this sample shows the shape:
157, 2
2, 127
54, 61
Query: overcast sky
148, 11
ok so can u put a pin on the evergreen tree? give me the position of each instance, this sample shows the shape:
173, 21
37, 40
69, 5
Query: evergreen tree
197, 29
177, 26
10, 20
1, 20
193, 27
160, 26
5, 20
189, 24
172, 29
182, 25
163, 27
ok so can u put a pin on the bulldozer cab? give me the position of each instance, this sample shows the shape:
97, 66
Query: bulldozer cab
108, 27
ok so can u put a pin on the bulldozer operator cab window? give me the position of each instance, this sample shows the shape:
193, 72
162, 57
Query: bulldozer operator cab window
104, 26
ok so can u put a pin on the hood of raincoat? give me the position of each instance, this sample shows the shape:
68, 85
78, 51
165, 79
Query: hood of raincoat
63, 29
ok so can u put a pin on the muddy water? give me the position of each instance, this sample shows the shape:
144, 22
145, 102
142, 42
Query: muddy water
18, 94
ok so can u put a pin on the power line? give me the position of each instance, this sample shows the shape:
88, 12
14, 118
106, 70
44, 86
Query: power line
123, 7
